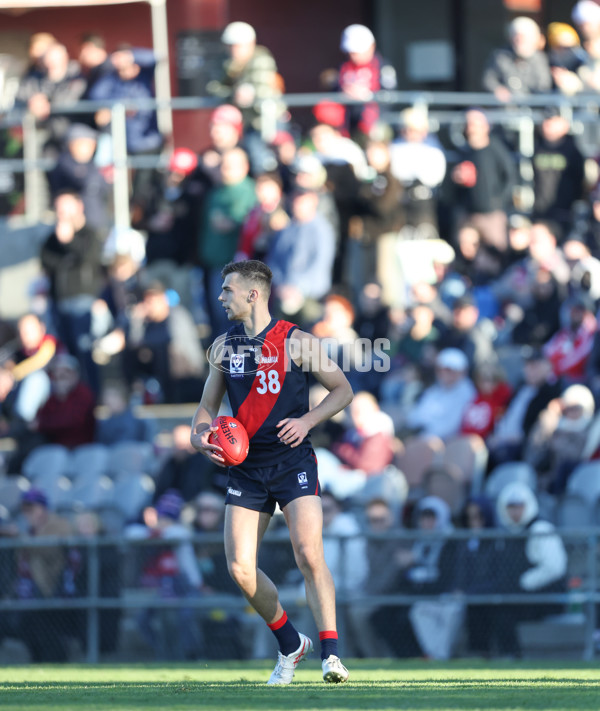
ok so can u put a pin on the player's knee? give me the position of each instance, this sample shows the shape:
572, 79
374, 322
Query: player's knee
242, 573
309, 559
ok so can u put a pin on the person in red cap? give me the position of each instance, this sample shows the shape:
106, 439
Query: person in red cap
226, 130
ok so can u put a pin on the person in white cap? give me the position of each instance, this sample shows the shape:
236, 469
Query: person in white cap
522, 68
536, 564
440, 409
249, 74
565, 434
363, 74
586, 16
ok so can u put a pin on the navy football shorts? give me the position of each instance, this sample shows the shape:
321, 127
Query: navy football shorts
260, 488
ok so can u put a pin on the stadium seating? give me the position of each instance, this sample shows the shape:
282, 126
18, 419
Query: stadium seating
470, 455
88, 459
11, 491
585, 481
132, 493
45, 459
446, 482
508, 472
135, 457
418, 456
573, 511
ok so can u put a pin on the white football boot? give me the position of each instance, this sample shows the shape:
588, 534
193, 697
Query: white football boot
334, 671
286, 664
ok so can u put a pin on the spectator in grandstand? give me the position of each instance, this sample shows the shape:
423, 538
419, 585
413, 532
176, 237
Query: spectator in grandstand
42, 573
536, 324
484, 179
362, 75
378, 218
470, 334
88, 525
586, 17
346, 164
372, 315
569, 349
168, 212
59, 83
534, 564
94, 60
131, 78
440, 409
562, 437
566, 57
265, 219
558, 171
26, 371
383, 568
76, 170
112, 309
225, 130
493, 395
285, 152
516, 285
416, 340
585, 268
119, 423
425, 568
67, 417
220, 629
538, 388
476, 572
307, 172
522, 68
368, 442
185, 469
223, 213
249, 76
301, 258
335, 331
171, 570
419, 163
347, 559
38, 44
70, 257
161, 343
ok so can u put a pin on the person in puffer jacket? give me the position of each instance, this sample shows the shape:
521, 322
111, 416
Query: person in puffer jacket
532, 560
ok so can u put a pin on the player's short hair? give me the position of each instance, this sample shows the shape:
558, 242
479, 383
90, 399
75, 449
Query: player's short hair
258, 273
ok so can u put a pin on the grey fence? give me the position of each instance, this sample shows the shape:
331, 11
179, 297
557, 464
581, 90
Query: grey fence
114, 598
445, 110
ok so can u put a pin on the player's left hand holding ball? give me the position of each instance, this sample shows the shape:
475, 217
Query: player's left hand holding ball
294, 430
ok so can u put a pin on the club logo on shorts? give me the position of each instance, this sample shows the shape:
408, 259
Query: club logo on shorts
236, 364
303, 480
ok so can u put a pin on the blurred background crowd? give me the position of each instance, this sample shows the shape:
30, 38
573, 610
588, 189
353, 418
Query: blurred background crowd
472, 261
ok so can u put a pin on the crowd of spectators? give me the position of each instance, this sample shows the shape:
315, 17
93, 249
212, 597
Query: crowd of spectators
485, 309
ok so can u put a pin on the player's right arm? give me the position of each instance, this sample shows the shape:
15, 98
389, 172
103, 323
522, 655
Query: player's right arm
208, 409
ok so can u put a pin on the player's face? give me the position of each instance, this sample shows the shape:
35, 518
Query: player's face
235, 297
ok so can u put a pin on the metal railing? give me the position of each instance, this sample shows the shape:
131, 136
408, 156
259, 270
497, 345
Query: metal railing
582, 546
444, 109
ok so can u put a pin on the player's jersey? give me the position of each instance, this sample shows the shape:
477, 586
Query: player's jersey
264, 386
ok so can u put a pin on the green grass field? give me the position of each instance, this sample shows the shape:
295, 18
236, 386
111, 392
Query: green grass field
375, 684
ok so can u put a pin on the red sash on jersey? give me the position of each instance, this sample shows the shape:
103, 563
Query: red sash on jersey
256, 407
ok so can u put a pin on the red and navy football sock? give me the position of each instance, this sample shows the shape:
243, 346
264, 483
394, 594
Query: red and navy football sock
287, 636
329, 643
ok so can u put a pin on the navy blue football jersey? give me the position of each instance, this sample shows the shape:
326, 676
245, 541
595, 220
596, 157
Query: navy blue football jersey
264, 386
